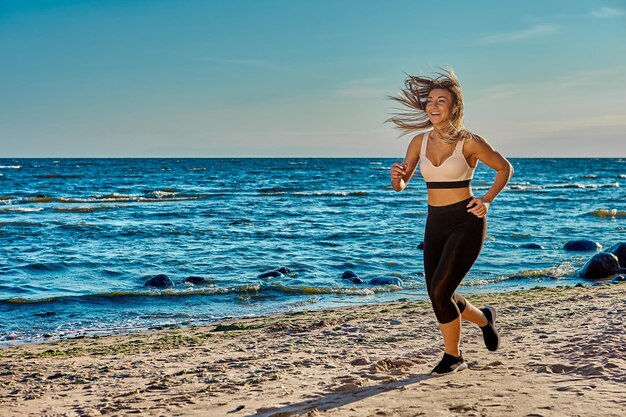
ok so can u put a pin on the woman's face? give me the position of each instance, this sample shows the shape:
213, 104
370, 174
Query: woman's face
439, 106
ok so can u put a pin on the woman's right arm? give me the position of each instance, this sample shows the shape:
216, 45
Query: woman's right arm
401, 173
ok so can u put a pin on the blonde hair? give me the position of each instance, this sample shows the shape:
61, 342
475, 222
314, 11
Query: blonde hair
414, 96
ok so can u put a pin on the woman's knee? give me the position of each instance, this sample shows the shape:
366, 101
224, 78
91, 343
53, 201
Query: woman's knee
445, 307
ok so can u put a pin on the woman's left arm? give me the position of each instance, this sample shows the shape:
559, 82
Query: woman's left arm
482, 151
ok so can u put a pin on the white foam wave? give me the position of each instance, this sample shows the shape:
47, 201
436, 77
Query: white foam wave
22, 209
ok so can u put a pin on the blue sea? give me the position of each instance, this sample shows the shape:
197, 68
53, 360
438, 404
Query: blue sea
79, 237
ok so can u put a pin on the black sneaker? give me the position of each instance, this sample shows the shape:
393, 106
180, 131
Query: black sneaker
490, 334
449, 364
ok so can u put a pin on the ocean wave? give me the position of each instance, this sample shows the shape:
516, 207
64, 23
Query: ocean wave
574, 185
209, 290
10, 166
151, 197
331, 193
59, 176
21, 209
85, 209
274, 190
582, 186
20, 224
561, 271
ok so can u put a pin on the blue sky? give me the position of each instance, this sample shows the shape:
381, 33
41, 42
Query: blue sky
304, 78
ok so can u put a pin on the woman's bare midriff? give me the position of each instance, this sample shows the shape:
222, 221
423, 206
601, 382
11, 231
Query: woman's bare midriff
447, 196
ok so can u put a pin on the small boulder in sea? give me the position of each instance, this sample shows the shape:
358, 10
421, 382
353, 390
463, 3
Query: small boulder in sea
277, 273
531, 246
582, 245
196, 281
420, 246
619, 278
601, 265
159, 281
386, 281
619, 250
351, 276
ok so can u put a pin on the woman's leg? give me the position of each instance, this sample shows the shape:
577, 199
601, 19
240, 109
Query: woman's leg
458, 255
474, 315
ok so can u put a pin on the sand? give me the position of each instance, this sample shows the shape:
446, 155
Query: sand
562, 354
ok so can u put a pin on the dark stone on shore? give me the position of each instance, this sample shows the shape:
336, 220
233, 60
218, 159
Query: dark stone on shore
582, 245
277, 273
619, 250
386, 281
420, 246
601, 265
531, 246
196, 281
619, 278
580, 284
159, 281
352, 277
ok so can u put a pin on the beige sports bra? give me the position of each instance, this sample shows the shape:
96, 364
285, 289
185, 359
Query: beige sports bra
454, 172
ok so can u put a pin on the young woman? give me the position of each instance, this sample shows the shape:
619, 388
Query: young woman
456, 224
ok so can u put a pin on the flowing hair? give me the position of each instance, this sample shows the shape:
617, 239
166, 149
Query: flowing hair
413, 97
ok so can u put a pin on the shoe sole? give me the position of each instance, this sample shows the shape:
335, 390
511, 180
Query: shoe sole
493, 322
493, 313
457, 369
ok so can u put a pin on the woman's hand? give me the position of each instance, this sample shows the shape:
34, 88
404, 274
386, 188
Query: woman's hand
479, 207
398, 171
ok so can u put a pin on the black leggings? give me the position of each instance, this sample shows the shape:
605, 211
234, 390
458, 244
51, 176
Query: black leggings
453, 239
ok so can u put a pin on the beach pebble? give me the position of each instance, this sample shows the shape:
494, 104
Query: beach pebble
531, 246
386, 281
582, 245
159, 281
601, 265
619, 250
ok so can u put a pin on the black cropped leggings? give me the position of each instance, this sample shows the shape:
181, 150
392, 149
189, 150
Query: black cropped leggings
452, 241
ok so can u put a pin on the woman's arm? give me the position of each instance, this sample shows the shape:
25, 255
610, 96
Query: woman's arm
401, 173
482, 151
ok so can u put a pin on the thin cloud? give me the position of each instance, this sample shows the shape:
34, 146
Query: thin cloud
607, 13
366, 88
598, 122
533, 32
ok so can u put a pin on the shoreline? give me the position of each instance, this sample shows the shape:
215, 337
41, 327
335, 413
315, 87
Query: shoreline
562, 347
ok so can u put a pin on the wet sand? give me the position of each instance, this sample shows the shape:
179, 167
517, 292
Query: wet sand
562, 354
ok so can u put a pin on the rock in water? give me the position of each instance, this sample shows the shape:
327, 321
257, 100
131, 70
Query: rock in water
275, 273
159, 281
601, 265
619, 250
196, 281
351, 276
582, 245
386, 281
420, 246
531, 246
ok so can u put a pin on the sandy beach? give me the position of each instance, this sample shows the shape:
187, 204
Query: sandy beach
562, 354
